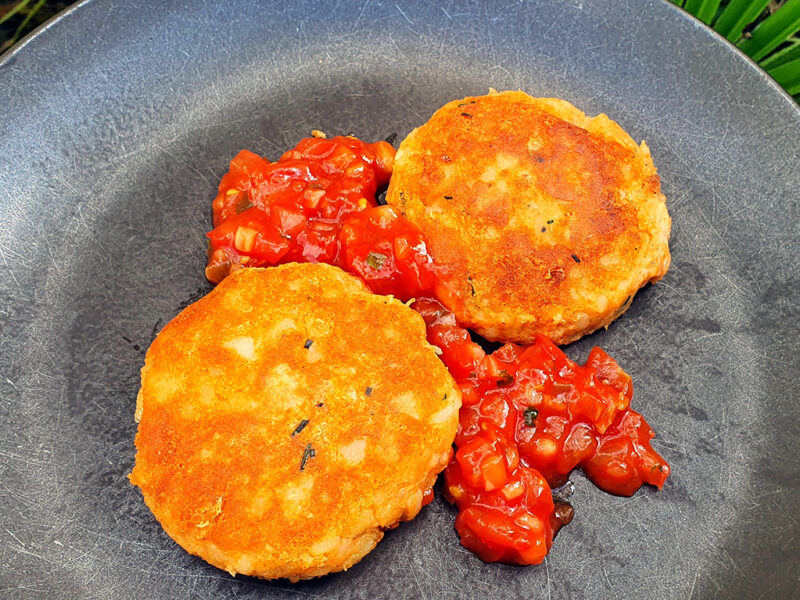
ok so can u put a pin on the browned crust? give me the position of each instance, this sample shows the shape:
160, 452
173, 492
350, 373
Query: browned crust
548, 220
217, 462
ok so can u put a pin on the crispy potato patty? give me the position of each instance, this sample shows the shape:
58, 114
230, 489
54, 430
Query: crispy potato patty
548, 220
288, 418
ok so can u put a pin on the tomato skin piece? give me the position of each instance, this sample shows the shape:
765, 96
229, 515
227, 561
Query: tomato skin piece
288, 221
246, 170
224, 234
609, 372
388, 253
462, 356
624, 459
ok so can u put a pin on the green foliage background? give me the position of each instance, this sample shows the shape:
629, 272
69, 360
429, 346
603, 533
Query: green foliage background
766, 30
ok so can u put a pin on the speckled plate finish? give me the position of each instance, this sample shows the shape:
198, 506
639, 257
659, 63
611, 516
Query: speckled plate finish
119, 119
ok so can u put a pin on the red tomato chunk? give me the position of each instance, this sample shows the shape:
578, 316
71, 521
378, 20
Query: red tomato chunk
530, 415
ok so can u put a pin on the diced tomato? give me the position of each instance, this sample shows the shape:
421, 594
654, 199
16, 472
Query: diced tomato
288, 221
224, 234
246, 169
302, 200
624, 459
483, 462
609, 372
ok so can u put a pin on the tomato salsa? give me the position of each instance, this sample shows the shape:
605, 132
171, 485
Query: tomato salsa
316, 203
530, 415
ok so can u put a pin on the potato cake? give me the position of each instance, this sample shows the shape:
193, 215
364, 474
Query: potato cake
288, 418
547, 220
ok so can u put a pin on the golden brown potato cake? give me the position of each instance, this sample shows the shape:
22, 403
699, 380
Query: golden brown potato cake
548, 220
288, 418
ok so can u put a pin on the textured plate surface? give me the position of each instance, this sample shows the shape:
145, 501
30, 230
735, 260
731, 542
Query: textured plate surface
118, 121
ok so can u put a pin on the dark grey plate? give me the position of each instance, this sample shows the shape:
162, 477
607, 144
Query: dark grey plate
117, 122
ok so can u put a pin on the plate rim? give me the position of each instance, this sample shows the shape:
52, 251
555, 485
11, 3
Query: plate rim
8, 58
791, 116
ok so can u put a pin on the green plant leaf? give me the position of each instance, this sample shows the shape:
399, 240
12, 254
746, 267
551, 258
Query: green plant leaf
788, 76
18, 7
782, 56
773, 31
26, 20
705, 10
738, 15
